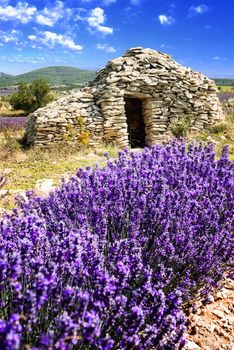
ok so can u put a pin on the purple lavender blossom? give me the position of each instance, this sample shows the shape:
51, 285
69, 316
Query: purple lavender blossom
111, 259
12, 123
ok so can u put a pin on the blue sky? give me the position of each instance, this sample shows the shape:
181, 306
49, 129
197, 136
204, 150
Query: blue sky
88, 33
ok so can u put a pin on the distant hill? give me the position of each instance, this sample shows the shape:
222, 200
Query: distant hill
54, 75
224, 82
4, 78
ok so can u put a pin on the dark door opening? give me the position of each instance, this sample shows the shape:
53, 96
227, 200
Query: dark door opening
135, 121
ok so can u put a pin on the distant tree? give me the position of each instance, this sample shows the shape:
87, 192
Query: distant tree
31, 96
22, 99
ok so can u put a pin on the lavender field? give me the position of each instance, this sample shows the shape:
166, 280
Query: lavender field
225, 96
12, 123
113, 258
7, 91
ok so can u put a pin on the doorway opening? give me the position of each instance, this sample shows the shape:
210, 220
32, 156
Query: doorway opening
135, 121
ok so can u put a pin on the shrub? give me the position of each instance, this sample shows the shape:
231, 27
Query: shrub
181, 128
77, 133
108, 260
31, 97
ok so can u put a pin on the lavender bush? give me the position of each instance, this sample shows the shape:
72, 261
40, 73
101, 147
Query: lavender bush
112, 257
12, 123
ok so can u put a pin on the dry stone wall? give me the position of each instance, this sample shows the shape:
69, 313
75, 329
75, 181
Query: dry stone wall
51, 123
167, 90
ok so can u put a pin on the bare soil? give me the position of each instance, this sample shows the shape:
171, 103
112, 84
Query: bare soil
212, 326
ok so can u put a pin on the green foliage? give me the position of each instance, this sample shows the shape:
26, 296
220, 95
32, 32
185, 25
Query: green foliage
224, 82
4, 99
31, 97
203, 136
181, 128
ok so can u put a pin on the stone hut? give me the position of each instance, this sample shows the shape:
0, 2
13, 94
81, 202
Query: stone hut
135, 101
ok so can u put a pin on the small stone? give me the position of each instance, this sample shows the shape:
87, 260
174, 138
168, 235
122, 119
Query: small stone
194, 330
3, 193
44, 185
218, 295
197, 341
209, 299
218, 313
191, 345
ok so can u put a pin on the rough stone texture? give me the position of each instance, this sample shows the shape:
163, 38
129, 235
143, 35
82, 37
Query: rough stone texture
168, 92
212, 325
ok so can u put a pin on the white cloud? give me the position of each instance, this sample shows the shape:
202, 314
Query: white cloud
130, 14
137, 2
104, 2
106, 48
164, 46
49, 16
166, 20
51, 39
218, 58
21, 59
13, 36
41, 19
96, 19
108, 2
197, 10
22, 12
32, 37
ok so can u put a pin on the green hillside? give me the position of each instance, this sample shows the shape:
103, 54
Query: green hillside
4, 78
54, 75
225, 82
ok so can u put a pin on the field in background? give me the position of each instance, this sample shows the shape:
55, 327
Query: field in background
226, 88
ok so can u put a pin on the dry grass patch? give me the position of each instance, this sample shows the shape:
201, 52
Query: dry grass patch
221, 134
23, 168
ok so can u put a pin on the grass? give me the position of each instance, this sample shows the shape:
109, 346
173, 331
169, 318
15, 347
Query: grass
6, 110
225, 88
23, 168
221, 134
9, 113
